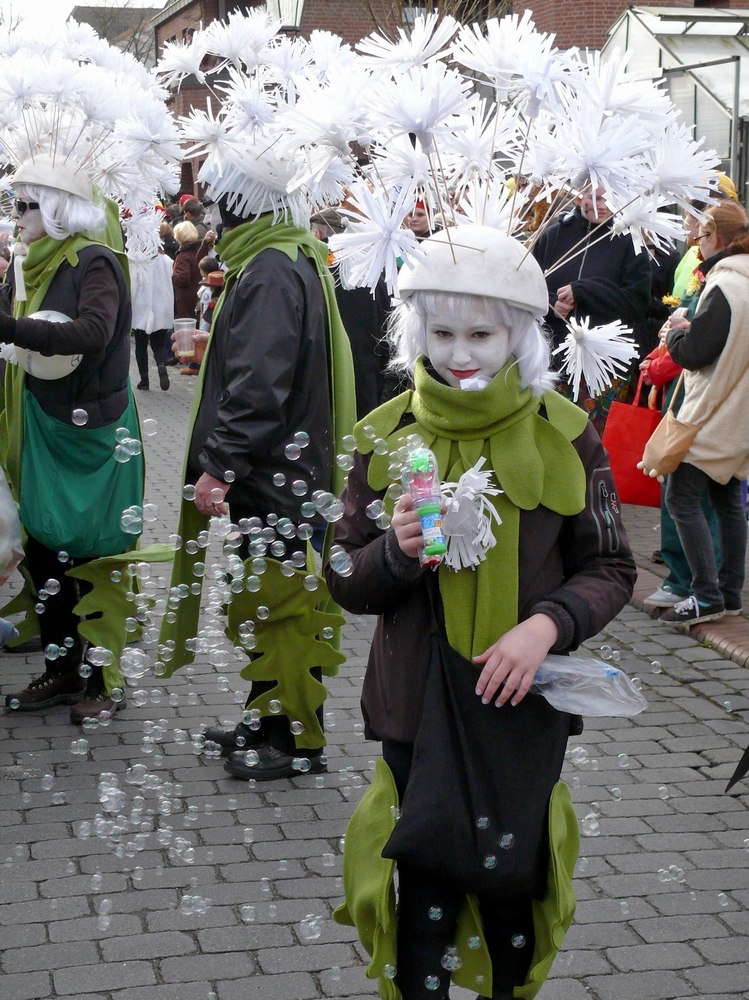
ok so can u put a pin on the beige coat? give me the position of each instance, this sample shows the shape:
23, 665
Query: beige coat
717, 397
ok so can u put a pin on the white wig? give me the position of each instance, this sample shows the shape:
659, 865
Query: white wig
407, 334
63, 214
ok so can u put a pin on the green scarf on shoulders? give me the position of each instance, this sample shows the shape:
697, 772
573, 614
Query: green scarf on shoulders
534, 464
238, 247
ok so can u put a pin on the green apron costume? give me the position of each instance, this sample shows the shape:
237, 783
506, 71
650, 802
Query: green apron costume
535, 463
288, 638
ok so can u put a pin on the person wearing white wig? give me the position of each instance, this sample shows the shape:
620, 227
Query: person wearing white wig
552, 570
67, 398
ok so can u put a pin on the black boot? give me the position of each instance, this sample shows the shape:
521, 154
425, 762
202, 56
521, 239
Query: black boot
265, 763
163, 377
143, 384
231, 740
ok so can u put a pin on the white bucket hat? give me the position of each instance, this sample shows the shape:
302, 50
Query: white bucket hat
54, 172
485, 263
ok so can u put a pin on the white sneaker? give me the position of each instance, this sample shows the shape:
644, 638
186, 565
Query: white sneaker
662, 598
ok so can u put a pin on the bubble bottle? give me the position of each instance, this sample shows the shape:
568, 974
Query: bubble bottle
427, 500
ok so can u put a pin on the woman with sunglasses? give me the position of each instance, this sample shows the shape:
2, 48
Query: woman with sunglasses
65, 399
714, 351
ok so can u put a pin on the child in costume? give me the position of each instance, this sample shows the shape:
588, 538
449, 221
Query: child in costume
557, 569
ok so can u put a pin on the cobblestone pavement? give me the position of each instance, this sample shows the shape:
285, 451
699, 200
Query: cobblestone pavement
224, 912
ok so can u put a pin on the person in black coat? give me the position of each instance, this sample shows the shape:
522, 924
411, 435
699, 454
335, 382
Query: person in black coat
604, 280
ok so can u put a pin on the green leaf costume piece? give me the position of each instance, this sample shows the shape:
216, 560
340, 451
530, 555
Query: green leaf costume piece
108, 602
534, 463
289, 642
370, 894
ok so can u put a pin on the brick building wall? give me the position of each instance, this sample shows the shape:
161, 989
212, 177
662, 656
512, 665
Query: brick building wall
584, 24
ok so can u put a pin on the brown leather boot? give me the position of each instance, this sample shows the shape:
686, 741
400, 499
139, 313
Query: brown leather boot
48, 690
93, 704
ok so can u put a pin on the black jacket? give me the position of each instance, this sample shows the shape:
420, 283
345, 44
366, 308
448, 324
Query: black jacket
577, 570
96, 298
266, 379
609, 280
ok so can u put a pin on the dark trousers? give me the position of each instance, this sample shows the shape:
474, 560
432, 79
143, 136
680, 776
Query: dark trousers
710, 585
57, 622
275, 730
158, 349
679, 577
423, 940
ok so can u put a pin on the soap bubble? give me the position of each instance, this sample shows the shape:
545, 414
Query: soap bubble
150, 426
296, 728
311, 582
432, 982
616, 794
591, 826
52, 586
52, 652
274, 706
506, 841
247, 913
722, 899
450, 960
369, 432
435, 913
47, 782
80, 418
623, 760
327, 632
606, 652
663, 792
292, 452
389, 971
624, 907
299, 488
301, 439
345, 462
381, 447
374, 509
340, 561
490, 861
189, 491
517, 941
310, 928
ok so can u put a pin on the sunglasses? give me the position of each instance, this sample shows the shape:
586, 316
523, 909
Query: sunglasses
24, 206
703, 236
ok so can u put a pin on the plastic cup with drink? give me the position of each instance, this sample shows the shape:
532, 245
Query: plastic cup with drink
184, 346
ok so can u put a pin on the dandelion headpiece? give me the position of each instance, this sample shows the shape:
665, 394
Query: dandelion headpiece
77, 112
553, 124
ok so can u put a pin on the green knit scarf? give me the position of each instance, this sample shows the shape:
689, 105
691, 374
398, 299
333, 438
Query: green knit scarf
238, 247
534, 464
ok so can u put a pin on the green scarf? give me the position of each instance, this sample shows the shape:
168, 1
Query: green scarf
238, 247
534, 464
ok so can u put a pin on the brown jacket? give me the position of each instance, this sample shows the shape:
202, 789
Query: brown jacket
578, 570
186, 279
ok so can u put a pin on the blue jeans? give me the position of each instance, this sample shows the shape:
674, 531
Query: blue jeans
684, 502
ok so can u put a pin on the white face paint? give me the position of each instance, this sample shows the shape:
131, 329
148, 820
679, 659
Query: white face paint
459, 350
30, 225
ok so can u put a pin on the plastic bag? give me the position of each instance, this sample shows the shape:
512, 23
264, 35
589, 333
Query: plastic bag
11, 550
583, 685
8, 631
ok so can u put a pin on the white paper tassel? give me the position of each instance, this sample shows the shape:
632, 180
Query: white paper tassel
467, 525
598, 355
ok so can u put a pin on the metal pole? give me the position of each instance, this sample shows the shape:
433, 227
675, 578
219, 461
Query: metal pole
735, 121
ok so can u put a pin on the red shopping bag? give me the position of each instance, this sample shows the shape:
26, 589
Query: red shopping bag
627, 430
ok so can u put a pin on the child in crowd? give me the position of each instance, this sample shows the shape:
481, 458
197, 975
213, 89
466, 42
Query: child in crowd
557, 570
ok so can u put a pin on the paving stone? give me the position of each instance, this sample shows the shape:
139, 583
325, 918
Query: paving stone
647, 957
89, 978
48, 956
26, 986
299, 985
626, 986
190, 968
